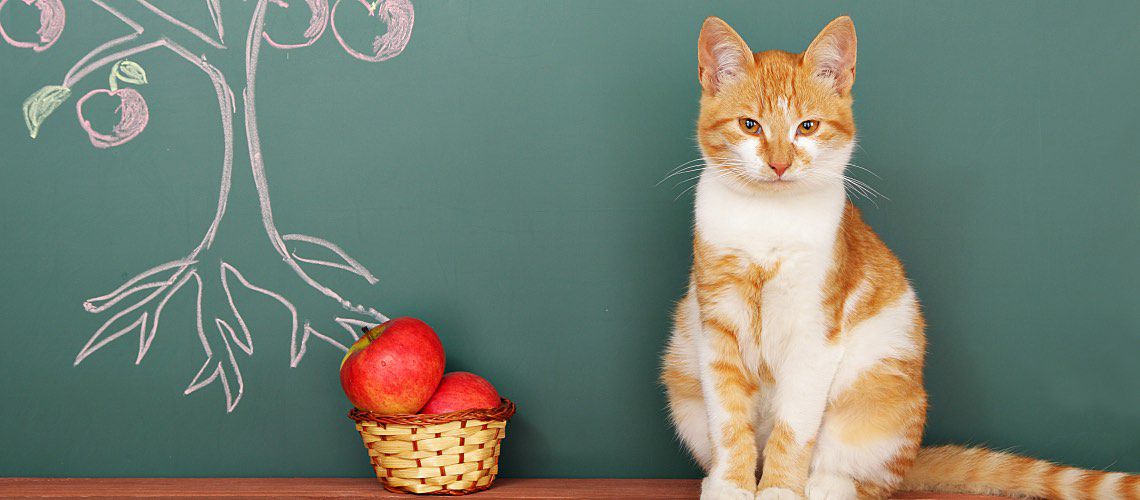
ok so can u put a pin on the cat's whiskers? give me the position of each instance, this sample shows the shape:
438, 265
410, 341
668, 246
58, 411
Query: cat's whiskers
707, 158
696, 168
823, 176
728, 171
703, 159
853, 185
869, 171
866, 187
690, 162
735, 171
698, 164
699, 168
703, 165
719, 174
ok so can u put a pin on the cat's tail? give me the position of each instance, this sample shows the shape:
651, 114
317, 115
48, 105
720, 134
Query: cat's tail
956, 469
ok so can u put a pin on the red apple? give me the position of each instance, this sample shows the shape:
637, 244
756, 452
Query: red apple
394, 368
462, 391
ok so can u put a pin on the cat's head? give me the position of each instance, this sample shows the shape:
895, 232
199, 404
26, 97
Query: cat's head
773, 120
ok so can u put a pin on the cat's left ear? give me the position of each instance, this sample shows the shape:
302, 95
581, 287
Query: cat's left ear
722, 56
831, 56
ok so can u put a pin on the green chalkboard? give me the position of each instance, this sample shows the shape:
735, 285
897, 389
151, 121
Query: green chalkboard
491, 168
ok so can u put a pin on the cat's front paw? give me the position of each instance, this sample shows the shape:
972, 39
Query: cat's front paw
718, 489
777, 494
830, 487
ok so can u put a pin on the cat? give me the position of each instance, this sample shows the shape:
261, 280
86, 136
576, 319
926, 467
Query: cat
797, 351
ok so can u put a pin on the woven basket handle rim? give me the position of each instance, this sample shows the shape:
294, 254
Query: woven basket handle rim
503, 412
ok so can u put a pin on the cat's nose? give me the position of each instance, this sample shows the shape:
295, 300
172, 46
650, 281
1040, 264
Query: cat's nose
779, 168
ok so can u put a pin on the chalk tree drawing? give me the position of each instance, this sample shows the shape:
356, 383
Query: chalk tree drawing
137, 304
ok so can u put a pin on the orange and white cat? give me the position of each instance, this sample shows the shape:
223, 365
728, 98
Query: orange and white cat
797, 353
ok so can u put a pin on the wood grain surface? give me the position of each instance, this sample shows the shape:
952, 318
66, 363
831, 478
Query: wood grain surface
355, 488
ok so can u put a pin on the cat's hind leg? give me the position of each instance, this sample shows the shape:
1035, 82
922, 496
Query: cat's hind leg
680, 374
870, 434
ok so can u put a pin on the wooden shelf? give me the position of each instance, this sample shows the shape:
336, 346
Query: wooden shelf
234, 488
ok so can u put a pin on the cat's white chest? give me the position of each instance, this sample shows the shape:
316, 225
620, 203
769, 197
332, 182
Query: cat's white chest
790, 234
777, 229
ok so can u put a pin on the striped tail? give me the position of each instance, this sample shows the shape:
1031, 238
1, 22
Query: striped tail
955, 469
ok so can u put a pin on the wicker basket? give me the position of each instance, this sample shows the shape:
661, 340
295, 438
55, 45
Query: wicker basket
446, 454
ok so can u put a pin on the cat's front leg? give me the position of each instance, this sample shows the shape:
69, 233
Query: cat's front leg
730, 398
803, 380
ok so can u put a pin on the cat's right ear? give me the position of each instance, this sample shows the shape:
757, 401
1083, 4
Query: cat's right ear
722, 56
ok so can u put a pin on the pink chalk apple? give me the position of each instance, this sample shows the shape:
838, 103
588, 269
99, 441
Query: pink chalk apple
462, 391
52, 19
398, 16
133, 117
394, 368
319, 17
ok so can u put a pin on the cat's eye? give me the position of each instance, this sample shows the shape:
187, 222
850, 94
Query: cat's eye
749, 125
807, 127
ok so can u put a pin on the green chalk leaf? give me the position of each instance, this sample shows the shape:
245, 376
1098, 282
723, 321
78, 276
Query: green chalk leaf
129, 72
39, 105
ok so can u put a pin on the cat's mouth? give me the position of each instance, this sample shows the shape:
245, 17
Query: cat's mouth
772, 181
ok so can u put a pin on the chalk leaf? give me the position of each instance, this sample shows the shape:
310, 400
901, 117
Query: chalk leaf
40, 105
130, 72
